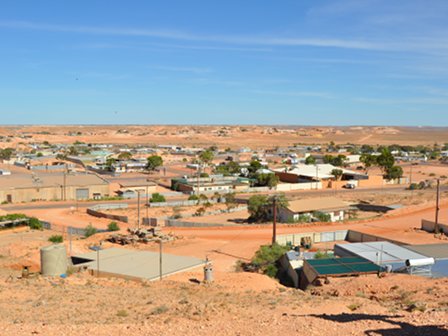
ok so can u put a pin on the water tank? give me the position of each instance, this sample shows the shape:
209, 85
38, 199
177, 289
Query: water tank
420, 262
53, 260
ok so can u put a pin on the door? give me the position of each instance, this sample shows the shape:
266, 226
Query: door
82, 194
9, 198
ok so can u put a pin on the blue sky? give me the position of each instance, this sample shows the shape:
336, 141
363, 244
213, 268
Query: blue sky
348, 62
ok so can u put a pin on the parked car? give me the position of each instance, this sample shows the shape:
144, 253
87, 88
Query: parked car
349, 186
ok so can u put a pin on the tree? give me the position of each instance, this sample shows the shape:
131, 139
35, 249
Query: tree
5, 154
125, 156
266, 258
310, 160
254, 165
207, 156
337, 173
73, 151
154, 161
266, 180
385, 160
368, 160
394, 172
260, 206
157, 198
110, 162
230, 200
339, 160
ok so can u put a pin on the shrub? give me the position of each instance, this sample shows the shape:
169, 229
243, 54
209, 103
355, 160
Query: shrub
122, 313
323, 255
113, 226
89, 231
193, 198
266, 258
200, 211
35, 224
157, 198
322, 217
56, 239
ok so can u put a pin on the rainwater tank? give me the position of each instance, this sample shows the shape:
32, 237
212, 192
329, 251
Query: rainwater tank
53, 260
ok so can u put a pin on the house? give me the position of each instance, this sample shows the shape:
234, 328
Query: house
308, 209
132, 189
212, 184
316, 173
46, 187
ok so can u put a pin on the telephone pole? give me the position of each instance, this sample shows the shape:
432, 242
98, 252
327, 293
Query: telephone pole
274, 223
436, 224
138, 209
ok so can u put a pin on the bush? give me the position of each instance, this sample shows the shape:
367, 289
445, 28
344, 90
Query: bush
322, 217
56, 239
90, 231
113, 226
266, 258
35, 224
157, 198
193, 198
323, 255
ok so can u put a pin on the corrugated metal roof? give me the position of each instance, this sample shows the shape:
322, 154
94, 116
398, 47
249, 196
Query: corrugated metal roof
382, 252
317, 204
49, 180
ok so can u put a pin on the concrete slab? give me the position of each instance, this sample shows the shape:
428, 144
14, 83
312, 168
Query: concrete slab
134, 264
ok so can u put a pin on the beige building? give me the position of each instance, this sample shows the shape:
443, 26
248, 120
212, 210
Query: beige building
47, 187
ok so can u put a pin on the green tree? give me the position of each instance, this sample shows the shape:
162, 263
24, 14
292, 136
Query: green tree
266, 258
310, 160
6, 153
394, 172
385, 160
154, 161
125, 156
260, 206
157, 198
266, 180
254, 165
368, 160
337, 173
207, 156
73, 151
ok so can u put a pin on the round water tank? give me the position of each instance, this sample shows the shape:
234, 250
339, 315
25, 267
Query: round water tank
53, 260
420, 262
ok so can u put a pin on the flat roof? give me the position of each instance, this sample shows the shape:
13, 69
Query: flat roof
132, 184
379, 252
137, 264
316, 204
342, 266
23, 181
436, 251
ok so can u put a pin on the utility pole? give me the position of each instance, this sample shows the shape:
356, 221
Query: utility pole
65, 184
147, 202
138, 209
274, 223
160, 259
436, 224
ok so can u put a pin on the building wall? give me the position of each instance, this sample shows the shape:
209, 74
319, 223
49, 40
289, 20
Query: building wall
287, 177
50, 193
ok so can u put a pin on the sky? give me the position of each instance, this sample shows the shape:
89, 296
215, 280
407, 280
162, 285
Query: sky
301, 62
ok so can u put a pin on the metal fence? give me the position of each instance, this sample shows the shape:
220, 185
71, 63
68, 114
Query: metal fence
68, 229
